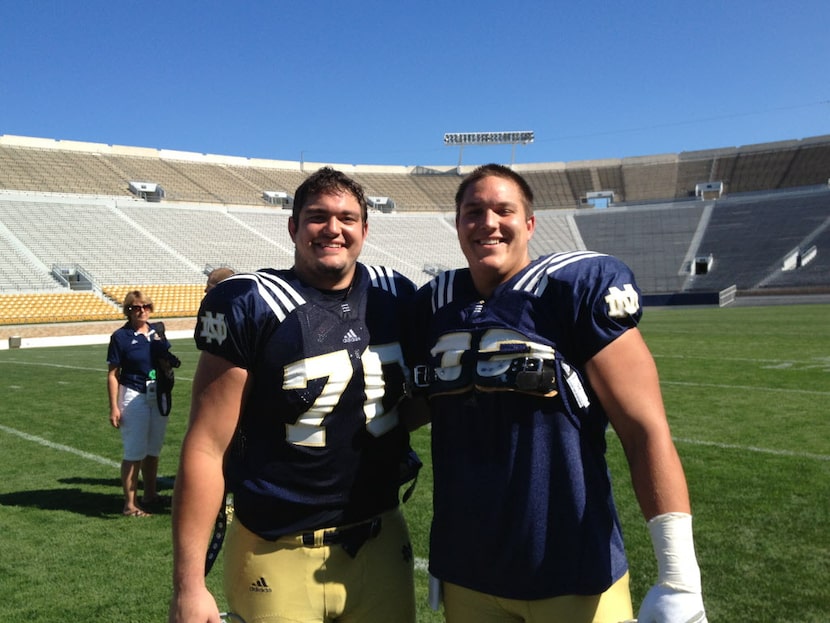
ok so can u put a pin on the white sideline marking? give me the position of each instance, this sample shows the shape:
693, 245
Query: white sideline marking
806, 455
80, 340
51, 365
60, 446
63, 365
662, 382
732, 446
810, 361
421, 564
735, 446
749, 388
63, 448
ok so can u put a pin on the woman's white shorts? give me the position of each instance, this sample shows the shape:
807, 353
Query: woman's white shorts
142, 426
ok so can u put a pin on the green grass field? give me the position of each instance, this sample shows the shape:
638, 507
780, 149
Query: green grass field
746, 389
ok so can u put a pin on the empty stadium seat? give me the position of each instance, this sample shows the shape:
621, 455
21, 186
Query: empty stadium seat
71, 207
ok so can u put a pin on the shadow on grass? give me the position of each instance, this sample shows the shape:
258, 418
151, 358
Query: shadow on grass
96, 482
164, 482
102, 505
73, 500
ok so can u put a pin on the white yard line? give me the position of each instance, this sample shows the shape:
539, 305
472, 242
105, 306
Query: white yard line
421, 564
62, 365
783, 390
733, 446
59, 446
81, 453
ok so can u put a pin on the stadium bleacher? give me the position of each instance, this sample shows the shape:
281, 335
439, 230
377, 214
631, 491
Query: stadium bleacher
664, 230
32, 308
66, 203
750, 236
169, 300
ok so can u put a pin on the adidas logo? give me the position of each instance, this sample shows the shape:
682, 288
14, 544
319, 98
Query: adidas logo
260, 586
351, 336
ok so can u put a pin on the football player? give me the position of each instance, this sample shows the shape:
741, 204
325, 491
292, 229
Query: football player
524, 364
295, 401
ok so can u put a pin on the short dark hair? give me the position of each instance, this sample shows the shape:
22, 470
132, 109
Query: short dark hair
327, 181
495, 170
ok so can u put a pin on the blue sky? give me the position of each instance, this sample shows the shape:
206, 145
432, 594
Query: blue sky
380, 82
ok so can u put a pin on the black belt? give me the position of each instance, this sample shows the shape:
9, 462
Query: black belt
351, 539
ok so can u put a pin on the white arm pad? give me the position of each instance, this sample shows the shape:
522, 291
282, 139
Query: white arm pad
671, 537
677, 595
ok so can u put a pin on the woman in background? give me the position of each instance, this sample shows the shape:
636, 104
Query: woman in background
134, 410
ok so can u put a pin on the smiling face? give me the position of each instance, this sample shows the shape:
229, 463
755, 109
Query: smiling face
494, 230
328, 236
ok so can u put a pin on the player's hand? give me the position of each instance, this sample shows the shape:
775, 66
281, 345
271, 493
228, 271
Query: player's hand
664, 604
198, 607
115, 417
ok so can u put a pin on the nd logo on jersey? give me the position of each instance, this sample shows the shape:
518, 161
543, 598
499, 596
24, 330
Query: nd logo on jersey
622, 303
213, 327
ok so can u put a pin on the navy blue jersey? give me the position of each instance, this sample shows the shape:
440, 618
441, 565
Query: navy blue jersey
523, 506
319, 443
130, 351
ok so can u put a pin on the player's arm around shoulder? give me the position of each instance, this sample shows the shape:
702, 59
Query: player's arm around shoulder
625, 379
218, 395
414, 409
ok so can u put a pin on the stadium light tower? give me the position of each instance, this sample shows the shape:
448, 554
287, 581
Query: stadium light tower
488, 138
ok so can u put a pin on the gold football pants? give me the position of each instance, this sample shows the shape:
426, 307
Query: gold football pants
462, 605
305, 578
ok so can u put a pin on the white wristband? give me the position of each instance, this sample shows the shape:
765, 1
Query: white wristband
671, 537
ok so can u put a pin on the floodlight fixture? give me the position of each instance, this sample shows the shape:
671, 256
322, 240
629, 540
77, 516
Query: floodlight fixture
488, 138
460, 139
